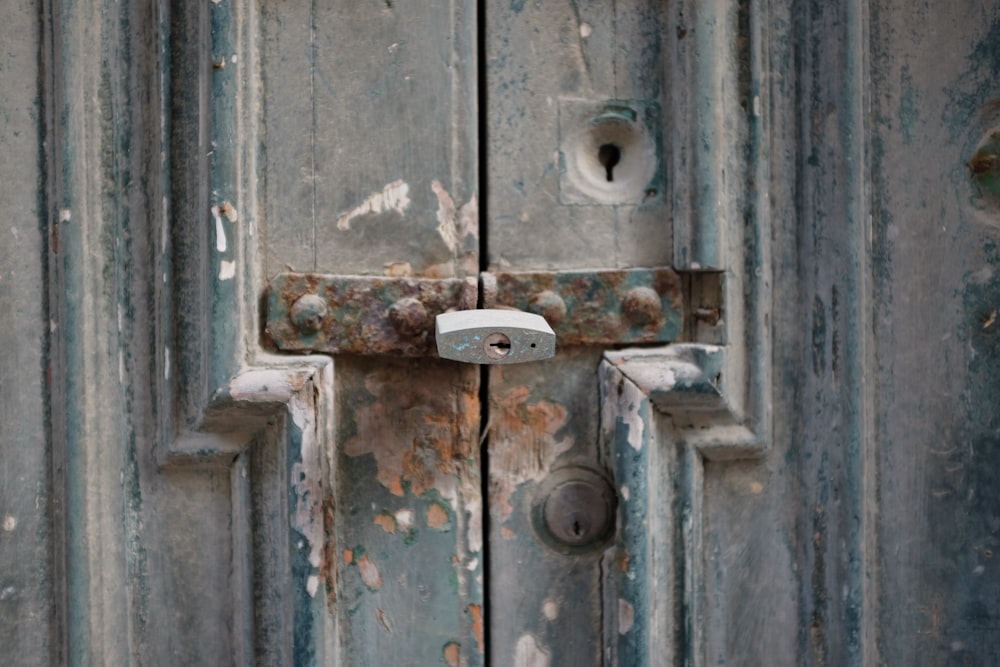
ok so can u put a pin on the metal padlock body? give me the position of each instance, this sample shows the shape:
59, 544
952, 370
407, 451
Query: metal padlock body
494, 336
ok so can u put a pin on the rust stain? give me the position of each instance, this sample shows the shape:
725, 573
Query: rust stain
369, 573
381, 620
422, 428
348, 556
508, 533
452, 653
437, 516
386, 521
476, 612
525, 442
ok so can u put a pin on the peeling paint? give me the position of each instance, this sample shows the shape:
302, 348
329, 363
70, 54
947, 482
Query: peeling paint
268, 386
452, 653
348, 556
476, 612
166, 363
386, 521
369, 573
393, 197
458, 229
9, 523
526, 444
550, 609
626, 616
424, 439
220, 230
227, 270
437, 517
306, 474
405, 518
529, 653
312, 585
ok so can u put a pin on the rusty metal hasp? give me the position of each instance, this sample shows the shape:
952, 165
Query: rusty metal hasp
372, 315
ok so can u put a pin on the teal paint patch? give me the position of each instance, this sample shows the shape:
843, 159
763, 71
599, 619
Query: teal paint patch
909, 112
965, 516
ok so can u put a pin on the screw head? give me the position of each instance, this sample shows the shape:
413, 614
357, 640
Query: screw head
308, 313
409, 317
641, 306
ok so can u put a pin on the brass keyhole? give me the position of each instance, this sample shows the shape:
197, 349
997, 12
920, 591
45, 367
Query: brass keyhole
609, 156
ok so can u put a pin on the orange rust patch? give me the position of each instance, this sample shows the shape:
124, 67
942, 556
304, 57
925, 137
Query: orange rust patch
369, 573
422, 438
437, 516
623, 560
477, 624
386, 521
452, 653
508, 533
524, 442
348, 556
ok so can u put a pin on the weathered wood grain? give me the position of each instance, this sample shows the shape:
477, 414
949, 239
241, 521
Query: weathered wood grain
370, 138
27, 586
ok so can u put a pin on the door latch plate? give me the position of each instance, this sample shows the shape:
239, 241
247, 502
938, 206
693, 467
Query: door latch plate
373, 315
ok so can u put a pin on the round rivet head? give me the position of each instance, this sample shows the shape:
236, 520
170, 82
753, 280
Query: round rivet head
641, 306
308, 313
579, 511
549, 305
409, 317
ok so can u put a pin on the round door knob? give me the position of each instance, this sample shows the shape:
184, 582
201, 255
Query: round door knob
579, 510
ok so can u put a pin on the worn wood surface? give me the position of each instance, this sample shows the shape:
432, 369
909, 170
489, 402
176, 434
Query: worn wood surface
370, 166
27, 582
172, 493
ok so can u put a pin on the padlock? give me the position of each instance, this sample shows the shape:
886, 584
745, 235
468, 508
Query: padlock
494, 336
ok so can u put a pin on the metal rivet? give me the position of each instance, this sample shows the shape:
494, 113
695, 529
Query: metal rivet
549, 305
580, 512
409, 317
308, 313
641, 306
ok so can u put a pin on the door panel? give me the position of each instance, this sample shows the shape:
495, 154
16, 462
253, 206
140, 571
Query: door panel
802, 477
370, 161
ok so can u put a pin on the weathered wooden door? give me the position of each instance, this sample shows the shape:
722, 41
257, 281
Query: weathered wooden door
764, 232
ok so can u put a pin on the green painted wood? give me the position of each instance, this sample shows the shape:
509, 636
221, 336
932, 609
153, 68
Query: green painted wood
27, 583
369, 164
935, 236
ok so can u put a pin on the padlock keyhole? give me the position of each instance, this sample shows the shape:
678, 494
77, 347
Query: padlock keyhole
496, 346
609, 156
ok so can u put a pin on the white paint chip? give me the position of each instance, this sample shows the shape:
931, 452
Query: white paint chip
528, 653
227, 270
626, 616
9, 523
312, 585
393, 197
166, 363
625, 492
550, 610
586, 29
65, 215
405, 518
220, 230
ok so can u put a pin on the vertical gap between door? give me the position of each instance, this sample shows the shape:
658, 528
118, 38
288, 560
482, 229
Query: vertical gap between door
484, 262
